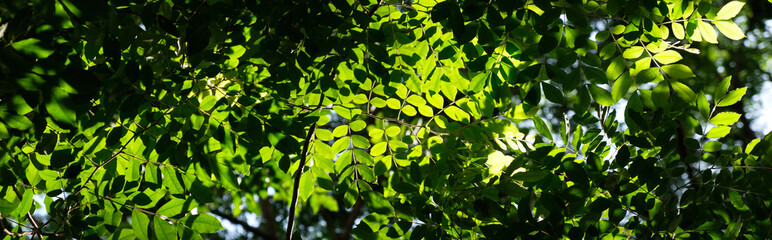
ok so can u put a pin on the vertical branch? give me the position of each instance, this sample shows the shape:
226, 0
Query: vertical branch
299, 172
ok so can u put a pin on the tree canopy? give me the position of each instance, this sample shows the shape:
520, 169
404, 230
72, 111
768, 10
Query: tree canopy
457, 119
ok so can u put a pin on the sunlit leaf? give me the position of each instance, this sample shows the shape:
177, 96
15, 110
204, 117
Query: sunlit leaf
718, 132
732, 97
725, 118
668, 57
730, 30
497, 161
163, 230
729, 10
707, 32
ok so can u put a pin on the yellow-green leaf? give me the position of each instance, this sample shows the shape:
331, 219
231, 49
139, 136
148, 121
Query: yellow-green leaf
203, 223
684, 91
729, 10
667, 57
708, 33
378, 149
621, 86
633, 52
730, 30
392, 131
732, 97
163, 230
409, 110
497, 161
725, 118
140, 222
678, 30
678, 71
357, 125
306, 187
718, 132
457, 114
601, 96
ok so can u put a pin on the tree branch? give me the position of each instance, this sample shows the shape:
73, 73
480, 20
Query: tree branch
268, 215
244, 224
355, 211
299, 172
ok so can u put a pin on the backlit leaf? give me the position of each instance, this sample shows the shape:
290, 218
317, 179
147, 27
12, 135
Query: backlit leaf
497, 161
729, 10
725, 118
718, 132
707, 32
202, 223
668, 57
732, 97
730, 30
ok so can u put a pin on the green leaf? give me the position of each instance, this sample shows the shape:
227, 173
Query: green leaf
633, 52
457, 114
595, 75
660, 94
684, 91
722, 87
529, 175
378, 149
542, 127
729, 10
3, 131
497, 161
615, 69
393, 131
621, 87
360, 141
202, 223
346, 113
678, 71
59, 109
358, 125
140, 223
732, 97
436, 100
478, 82
725, 118
409, 110
340, 131
176, 206
601, 96
678, 30
649, 75
378, 203
707, 32
25, 205
323, 134
306, 187
667, 57
366, 172
718, 132
33, 46
730, 30
164, 230
6, 207
702, 105
552, 93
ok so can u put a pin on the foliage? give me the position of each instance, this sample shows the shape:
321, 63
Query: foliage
388, 119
